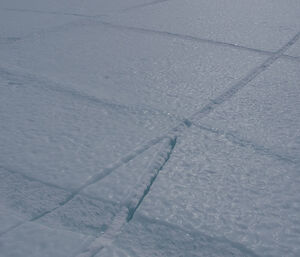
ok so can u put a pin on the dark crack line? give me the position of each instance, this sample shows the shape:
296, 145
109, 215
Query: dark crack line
12, 228
185, 124
207, 109
132, 210
184, 37
95, 19
290, 57
194, 39
196, 234
51, 185
34, 219
235, 139
50, 12
136, 197
80, 22
138, 6
233, 90
47, 84
99, 176
227, 95
31, 179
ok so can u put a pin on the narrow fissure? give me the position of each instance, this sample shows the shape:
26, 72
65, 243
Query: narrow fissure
132, 210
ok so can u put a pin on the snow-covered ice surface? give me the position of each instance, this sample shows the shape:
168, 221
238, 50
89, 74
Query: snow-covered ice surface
232, 196
131, 67
266, 113
149, 128
295, 50
261, 24
75, 7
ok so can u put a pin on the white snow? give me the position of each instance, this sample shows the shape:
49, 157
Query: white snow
149, 128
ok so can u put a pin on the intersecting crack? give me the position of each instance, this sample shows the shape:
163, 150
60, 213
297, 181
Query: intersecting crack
135, 198
126, 214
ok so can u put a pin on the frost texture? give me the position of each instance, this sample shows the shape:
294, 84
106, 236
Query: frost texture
149, 128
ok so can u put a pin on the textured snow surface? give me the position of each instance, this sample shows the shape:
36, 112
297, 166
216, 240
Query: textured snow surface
295, 50
149, 128
267, 112
261, 24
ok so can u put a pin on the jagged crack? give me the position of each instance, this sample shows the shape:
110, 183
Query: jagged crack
158, 166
